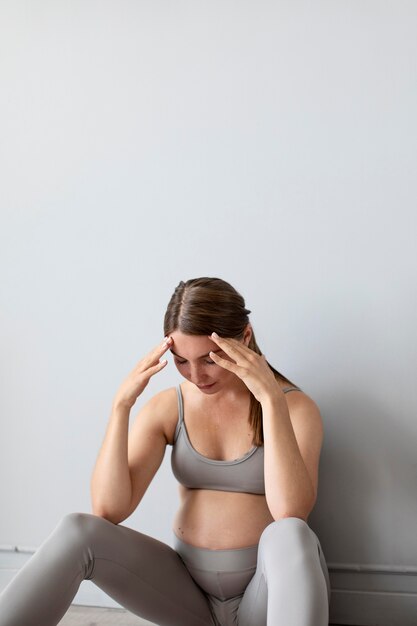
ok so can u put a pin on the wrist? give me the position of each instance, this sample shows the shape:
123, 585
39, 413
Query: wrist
272, 398
121, 407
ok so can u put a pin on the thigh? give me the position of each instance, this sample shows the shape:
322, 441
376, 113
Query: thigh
141, 573
144, 575
253, 606
292, 566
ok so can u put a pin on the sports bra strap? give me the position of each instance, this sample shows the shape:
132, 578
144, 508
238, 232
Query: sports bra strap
181, 408
287, 389
180, 405
180, 414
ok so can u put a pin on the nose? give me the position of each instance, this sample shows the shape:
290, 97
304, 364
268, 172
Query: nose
197, 374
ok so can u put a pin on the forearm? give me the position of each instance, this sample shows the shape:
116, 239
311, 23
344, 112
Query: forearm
288, 486
111, 489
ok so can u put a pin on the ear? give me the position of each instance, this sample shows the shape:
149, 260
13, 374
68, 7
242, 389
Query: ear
247, 334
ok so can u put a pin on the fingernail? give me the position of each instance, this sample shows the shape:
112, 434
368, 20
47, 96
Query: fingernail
215, 335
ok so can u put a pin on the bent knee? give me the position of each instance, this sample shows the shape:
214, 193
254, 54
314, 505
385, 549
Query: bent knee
79, 526
290, 534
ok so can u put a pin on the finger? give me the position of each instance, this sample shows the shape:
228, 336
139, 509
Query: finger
156, 368
155, 354
227, 365
164, 345
232, 347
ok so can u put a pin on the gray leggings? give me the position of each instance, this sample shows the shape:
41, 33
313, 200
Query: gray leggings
281, 582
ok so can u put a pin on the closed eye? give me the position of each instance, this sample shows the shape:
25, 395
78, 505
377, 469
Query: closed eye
178, 362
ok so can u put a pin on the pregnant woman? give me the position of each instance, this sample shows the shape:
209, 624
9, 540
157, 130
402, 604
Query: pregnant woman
245, 450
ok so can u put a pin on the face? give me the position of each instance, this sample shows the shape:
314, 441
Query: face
191, 357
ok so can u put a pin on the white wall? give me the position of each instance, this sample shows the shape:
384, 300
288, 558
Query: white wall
270, 143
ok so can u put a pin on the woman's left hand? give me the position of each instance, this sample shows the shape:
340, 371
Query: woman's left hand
249, 366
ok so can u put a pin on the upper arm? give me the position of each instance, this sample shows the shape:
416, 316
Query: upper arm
308, 429
148, 437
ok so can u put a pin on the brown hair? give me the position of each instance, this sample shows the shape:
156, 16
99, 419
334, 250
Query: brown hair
200, 306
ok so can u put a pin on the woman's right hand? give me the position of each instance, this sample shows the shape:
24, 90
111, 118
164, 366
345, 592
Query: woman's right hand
135, 383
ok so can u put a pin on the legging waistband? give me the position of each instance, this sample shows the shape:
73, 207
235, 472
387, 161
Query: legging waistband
216, 560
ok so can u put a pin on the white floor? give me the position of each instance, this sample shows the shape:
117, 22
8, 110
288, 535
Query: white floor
92, 616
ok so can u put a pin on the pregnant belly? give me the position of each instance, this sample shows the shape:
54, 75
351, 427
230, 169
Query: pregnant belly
220, 520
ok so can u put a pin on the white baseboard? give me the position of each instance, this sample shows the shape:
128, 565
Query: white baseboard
373, 595
362, 595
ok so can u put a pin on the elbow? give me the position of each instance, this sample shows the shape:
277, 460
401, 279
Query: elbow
100, 510
280, 514
114, 512
110, 517
301, 508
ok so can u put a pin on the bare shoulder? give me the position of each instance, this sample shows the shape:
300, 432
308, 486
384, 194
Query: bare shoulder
298, 398
308, 429
304, 413
160, 413
163, 400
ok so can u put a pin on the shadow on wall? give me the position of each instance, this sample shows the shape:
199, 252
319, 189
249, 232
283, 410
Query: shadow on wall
366, 508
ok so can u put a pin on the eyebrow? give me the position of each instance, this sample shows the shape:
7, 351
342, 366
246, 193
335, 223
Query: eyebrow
199, 357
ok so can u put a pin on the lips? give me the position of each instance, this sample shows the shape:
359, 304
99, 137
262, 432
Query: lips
204, 387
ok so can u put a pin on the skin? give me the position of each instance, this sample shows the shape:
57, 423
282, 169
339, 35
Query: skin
219, 373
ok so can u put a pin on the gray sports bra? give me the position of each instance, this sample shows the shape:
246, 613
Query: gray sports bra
196, 471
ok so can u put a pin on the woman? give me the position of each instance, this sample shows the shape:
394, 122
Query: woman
245, 452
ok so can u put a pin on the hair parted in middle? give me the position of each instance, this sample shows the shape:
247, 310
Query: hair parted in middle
200, 306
